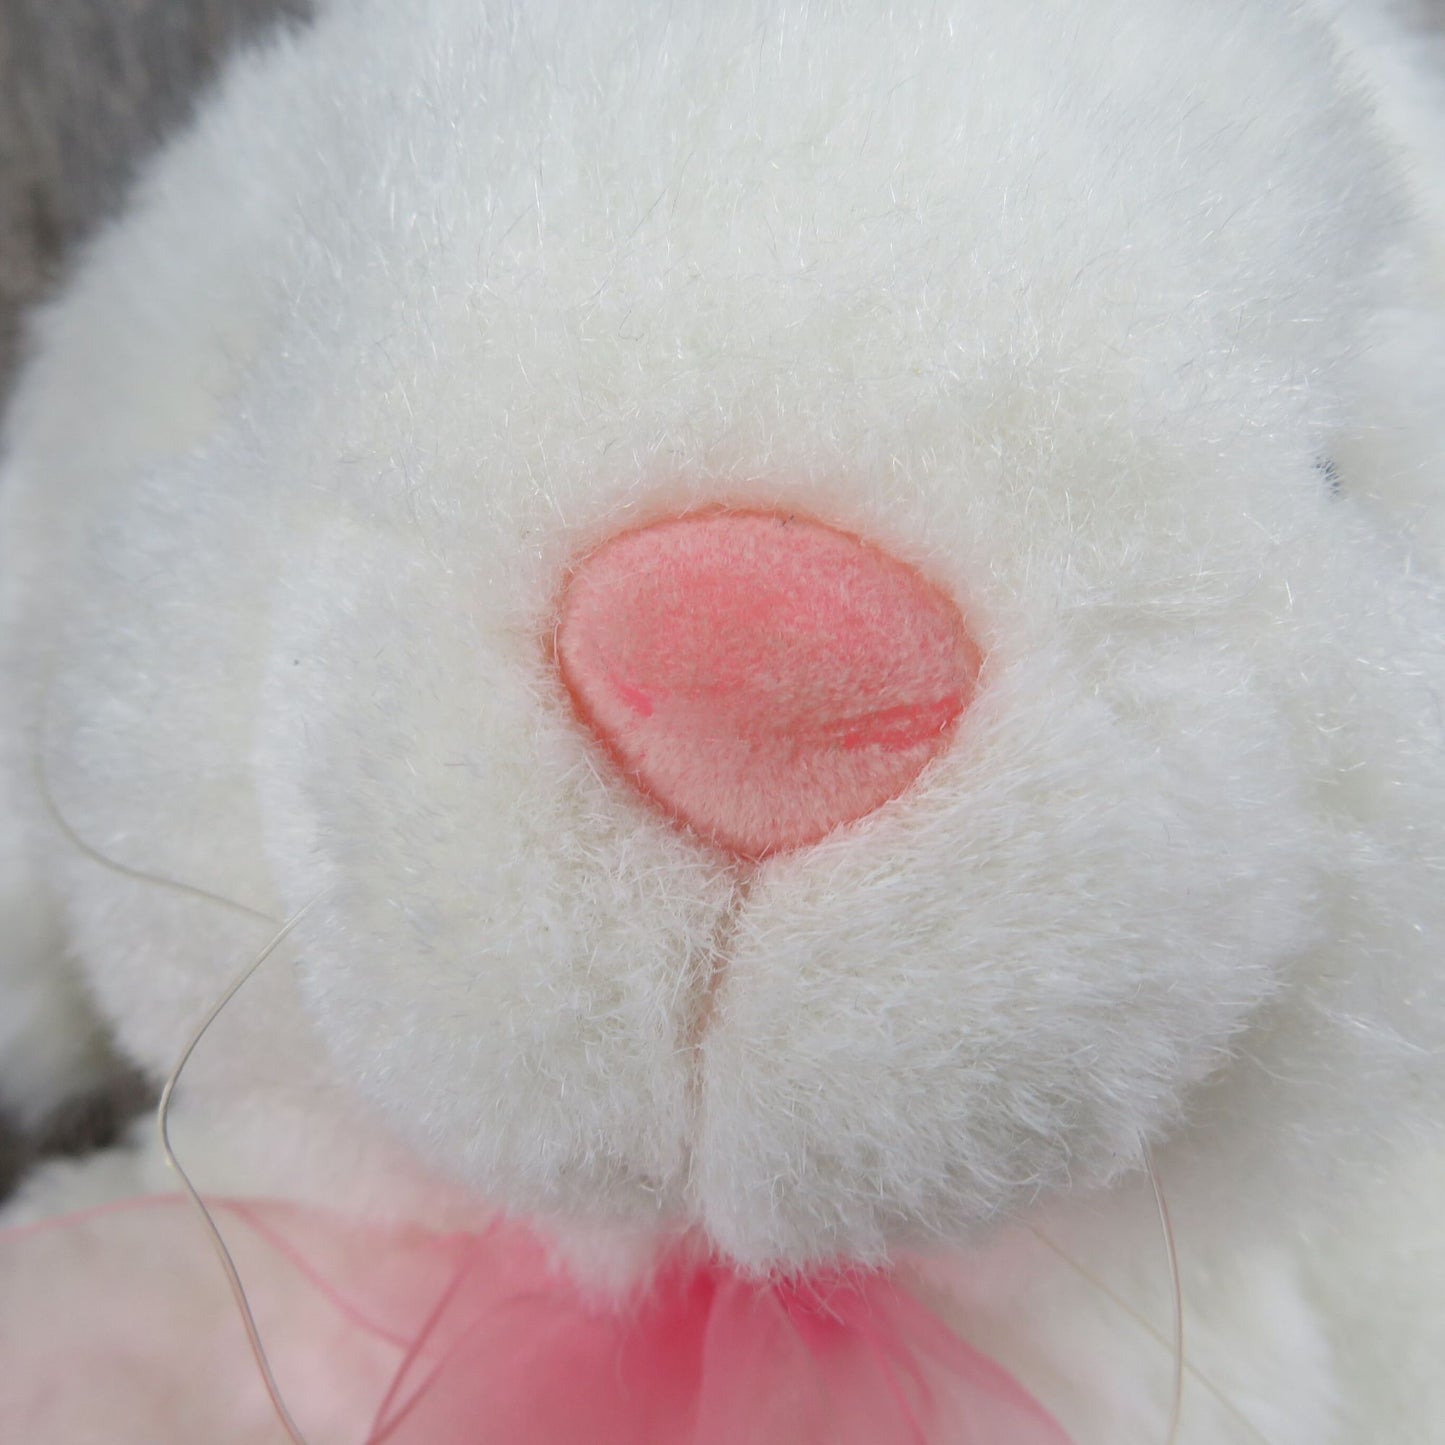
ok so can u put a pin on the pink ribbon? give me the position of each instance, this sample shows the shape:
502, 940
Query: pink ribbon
116, 1321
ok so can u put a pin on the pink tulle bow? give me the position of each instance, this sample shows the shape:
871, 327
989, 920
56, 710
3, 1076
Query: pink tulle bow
117, 1321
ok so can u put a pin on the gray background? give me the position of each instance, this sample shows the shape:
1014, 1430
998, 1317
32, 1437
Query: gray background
86, 88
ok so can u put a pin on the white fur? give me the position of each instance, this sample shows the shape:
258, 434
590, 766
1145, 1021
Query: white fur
1065, 304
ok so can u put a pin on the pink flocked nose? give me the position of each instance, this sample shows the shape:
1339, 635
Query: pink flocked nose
761, 677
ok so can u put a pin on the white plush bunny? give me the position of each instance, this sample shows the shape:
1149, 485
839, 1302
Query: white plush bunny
833, 612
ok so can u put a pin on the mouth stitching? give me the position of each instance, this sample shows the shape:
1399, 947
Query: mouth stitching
707, 987
718, 956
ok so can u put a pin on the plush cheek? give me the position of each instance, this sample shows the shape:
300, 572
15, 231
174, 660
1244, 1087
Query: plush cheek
505, 948
997, 986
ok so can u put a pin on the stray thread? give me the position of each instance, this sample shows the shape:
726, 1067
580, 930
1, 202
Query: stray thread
1176, 1295
218, 1242
1174, 1345
47, 799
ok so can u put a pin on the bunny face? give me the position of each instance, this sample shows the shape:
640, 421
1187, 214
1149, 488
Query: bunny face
1044, 319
